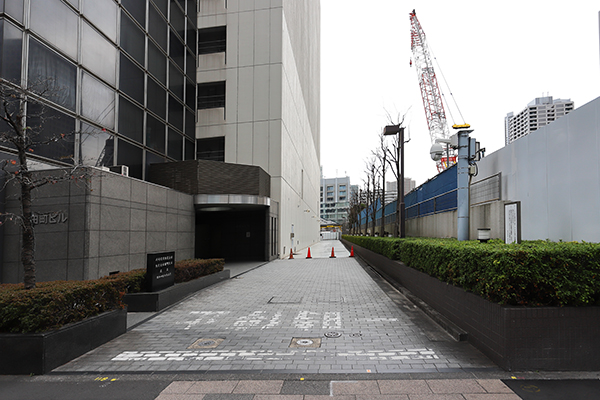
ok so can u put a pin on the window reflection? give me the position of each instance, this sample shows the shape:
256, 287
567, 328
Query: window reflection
130, 155
155, 134
175, 113
152, 158
190, 150
47, 127
175, 145
176, 50
157, 27
190, 124
156, 98
51, 75
11, 39
162, 5
131, 120
103, 14
97, 101
131, 79
132, 39
54, 21
136, 8
96, 146
157, 63
176, 81
98, 54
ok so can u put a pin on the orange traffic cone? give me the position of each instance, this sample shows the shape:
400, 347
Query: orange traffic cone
308, 255
332, 254
291, 254
352, 251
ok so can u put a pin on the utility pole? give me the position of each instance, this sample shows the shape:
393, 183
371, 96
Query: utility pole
400, 209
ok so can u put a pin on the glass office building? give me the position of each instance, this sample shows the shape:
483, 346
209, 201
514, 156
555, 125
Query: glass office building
121, 75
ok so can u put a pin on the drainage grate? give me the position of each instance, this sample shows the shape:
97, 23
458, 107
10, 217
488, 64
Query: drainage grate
306, 342
355, 335
206, 343
333, 334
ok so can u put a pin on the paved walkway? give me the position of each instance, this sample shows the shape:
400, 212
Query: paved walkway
302, 316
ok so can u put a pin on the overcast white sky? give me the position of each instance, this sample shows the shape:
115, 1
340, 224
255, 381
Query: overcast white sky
495, 56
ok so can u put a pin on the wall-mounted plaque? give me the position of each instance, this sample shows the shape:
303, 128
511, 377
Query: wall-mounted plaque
160, 270
512, 222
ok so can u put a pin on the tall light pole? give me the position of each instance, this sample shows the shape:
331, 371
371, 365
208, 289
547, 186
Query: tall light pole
400, 209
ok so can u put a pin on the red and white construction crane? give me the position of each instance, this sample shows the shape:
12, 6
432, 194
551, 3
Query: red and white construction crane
431, 94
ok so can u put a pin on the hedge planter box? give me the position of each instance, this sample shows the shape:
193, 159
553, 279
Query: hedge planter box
156, 301
515, 338
39, 353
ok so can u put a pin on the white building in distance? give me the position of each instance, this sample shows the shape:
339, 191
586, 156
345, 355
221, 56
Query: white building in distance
539, 112
335, 199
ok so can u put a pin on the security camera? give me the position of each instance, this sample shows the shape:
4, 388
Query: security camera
436, 152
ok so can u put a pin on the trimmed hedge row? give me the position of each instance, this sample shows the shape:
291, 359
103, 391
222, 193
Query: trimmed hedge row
534, 273
187, 270
54, 304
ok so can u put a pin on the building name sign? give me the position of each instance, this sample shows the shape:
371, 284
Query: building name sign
160, 270
49, 218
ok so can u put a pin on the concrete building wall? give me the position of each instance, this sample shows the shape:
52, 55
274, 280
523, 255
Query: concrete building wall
86, 231
271, 116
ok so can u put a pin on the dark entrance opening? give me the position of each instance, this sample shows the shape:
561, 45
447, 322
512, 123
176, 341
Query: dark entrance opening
237, 234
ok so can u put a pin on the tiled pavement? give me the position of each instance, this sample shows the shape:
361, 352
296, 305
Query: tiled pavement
302, 316
433, 389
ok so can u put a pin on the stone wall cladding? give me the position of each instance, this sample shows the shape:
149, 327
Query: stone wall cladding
515, 338
110, 224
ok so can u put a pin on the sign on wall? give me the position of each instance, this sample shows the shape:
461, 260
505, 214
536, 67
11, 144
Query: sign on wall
160, 270
512, 222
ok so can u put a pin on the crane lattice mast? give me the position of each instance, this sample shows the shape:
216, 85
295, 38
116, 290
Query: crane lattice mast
430, 91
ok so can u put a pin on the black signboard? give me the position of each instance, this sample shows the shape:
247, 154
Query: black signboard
160, 271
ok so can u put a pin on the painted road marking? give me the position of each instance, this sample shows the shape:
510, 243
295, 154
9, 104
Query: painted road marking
268, 355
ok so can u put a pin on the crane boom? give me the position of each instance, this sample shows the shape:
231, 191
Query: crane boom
430, 91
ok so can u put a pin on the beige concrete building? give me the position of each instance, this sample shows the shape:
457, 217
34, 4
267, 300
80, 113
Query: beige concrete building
259, 101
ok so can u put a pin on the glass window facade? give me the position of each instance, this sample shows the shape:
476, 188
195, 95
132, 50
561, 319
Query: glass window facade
120, 74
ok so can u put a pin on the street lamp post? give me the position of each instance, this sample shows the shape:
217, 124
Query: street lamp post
400, 209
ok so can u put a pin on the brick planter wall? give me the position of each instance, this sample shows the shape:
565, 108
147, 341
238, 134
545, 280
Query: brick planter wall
515, 338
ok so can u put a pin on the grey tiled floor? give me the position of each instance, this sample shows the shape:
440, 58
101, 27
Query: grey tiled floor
249, 323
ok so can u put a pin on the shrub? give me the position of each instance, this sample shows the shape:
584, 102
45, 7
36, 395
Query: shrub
536, 273
187, 270
54, 304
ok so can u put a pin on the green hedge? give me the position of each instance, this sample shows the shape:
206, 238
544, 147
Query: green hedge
188, 270
536, 273
54, 304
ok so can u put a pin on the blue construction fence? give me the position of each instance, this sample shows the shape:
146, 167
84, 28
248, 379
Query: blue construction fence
439, 194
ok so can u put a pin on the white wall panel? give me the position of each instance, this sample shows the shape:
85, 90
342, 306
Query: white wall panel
555, 173
261, 92
245, 137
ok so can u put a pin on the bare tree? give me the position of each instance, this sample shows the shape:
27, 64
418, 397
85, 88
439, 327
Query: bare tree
382, 154
373, 182
23, 138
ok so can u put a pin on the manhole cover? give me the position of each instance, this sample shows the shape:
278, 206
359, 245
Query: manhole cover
355, 335
306, 342
333, 334
206, 343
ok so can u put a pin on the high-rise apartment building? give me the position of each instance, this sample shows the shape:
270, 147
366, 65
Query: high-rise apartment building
539, 112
